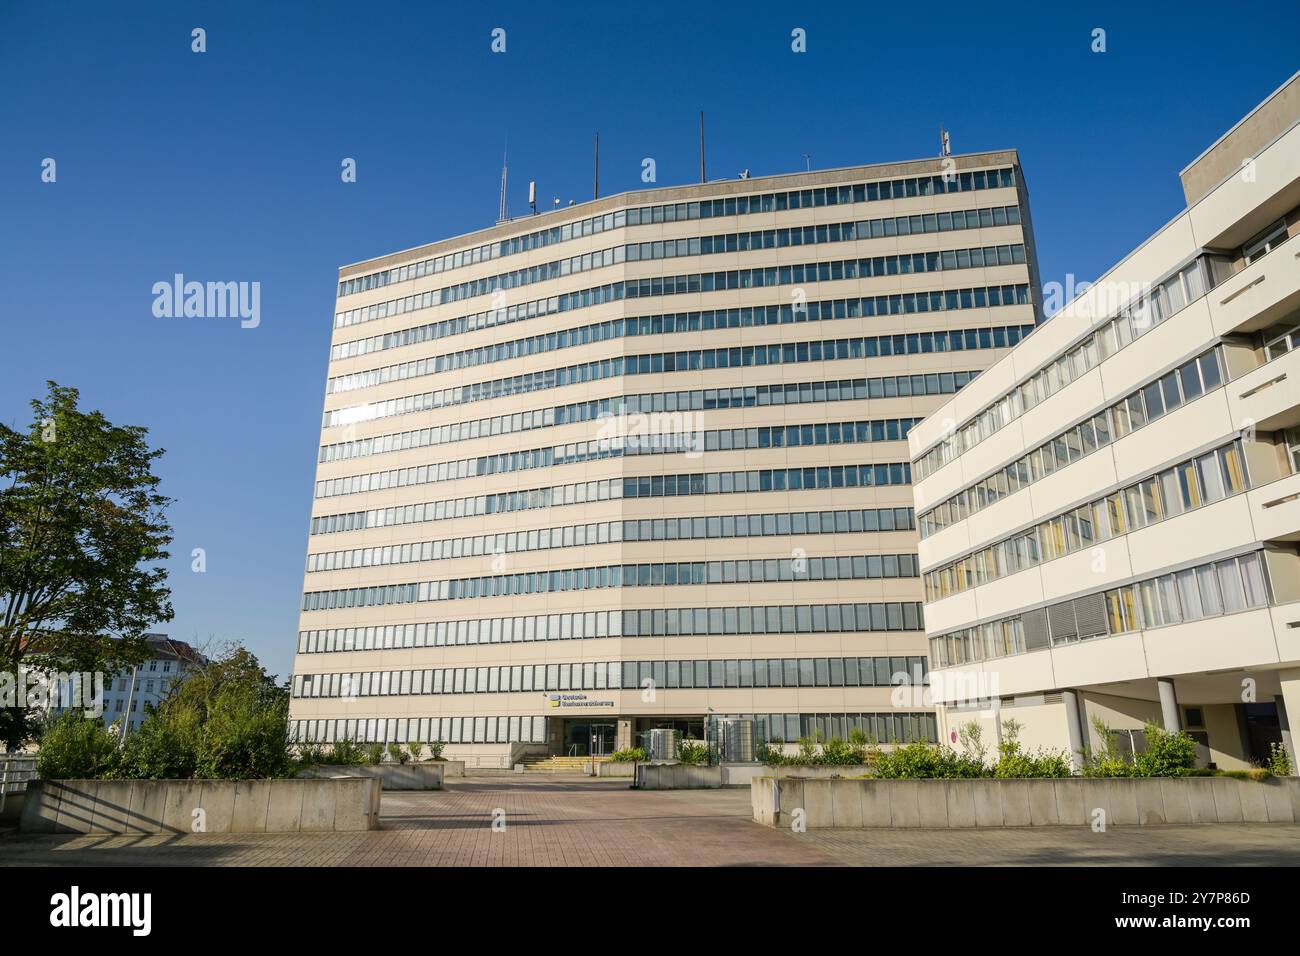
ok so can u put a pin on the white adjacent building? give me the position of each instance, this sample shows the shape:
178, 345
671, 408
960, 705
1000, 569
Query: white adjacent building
1109, 515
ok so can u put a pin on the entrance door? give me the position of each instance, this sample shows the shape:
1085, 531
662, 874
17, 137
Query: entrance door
602, 739
587, 739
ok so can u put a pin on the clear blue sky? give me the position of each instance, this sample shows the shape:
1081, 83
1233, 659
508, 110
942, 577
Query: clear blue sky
225, 166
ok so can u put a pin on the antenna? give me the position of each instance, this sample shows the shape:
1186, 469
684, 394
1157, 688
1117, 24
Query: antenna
807, 162
502, 214
701, 146
945, 144
532, 195
595, 185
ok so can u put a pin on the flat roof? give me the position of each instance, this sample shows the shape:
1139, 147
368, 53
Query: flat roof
681, 192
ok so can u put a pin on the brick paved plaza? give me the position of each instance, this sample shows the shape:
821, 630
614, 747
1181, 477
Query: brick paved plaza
575, 821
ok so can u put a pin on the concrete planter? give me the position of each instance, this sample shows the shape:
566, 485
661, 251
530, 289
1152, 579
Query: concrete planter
1073, 801
450, 768
677, 776
395, 776
228, 806
615, 768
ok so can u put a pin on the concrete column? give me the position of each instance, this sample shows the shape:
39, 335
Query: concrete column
1168, 704
1288, 709
623, 739
1073, 729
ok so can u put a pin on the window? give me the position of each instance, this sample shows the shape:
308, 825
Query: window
1271, 238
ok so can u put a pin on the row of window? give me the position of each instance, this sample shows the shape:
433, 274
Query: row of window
670, 443
1207, 590
692, 283
592, 625
978, 257
1133, 321
822, 350
656, 486
663, 323
776, 353
889, 727
600, 577
611, 532
1148, 403
752, 396
684, 212
1185, 487
618, 675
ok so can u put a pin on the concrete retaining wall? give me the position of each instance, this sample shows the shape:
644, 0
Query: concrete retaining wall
677, 776
665, 777
1023, 803
615, 768
395, 776
229, 806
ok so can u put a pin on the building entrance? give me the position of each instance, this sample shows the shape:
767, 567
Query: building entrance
584, 738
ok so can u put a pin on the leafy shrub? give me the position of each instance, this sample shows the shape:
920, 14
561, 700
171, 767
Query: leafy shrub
346, 752
924, 761
770, 753
628, 755
1014, 762
396, 754
435, 749
75, 747
1105, 760
229, 720
416, 750
1169, 753
374, 753
1279, 760
692, 752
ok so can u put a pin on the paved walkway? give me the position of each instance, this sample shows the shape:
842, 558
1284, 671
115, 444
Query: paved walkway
576, 821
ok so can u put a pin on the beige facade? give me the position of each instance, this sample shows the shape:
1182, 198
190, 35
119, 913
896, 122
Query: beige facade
1109, 515
492, 566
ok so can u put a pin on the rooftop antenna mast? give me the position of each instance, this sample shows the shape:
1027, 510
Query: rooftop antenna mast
945, 144
595, 186
502, 214
701, 146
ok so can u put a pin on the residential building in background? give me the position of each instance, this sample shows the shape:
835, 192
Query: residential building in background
1109, 516
641, 462
128, 693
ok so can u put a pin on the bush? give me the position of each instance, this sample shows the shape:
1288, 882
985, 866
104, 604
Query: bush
692, 753
1169, 753
396, 754
770, 753
628, 755
416, 750
374, 753
924, 761
75, 747
1279, 760
435, 749
1106, 760
1014, 762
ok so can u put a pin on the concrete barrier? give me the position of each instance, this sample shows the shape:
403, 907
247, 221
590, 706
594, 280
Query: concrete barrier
615, 768
228, 806
661, 776
395, 776
677, 776
1072, 801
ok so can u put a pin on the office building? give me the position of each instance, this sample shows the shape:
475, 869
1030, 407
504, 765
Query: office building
1109, 515
641, 462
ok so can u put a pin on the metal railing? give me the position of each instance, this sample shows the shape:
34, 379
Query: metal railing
15, 771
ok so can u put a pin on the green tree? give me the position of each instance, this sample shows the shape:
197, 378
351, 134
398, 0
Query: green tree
83, 539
